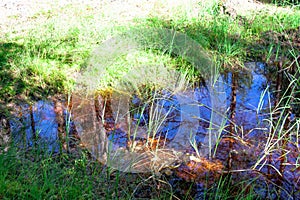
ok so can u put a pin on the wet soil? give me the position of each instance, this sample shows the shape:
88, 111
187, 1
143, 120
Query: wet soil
239, 155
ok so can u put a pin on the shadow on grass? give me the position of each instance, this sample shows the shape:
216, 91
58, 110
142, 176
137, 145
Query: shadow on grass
19, 80
235, 41
10, 83
281, 2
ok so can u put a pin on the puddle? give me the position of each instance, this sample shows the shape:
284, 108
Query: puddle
4, 134
243, 137
36, 125
132, 142
181, 119
251, 107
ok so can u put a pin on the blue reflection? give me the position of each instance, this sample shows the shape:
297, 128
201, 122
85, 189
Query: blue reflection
38, 127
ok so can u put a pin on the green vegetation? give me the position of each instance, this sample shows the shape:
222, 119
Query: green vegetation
44, 59
44, 55
36, 175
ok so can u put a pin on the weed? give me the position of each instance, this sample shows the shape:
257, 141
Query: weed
43, 56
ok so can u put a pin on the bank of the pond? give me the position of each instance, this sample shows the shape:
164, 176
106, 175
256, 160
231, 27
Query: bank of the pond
54, 127
44, 152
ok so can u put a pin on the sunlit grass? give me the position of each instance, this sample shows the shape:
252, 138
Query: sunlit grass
42, 58
36, 175
50, 53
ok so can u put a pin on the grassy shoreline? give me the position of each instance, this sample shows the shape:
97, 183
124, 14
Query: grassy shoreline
45, 59
43, 55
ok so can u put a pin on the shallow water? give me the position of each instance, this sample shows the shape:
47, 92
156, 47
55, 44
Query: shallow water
244, 132
34, 125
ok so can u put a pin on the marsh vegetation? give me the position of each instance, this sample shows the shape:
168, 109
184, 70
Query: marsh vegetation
156, 100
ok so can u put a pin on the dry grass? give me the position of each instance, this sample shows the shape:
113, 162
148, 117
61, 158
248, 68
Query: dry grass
19, 15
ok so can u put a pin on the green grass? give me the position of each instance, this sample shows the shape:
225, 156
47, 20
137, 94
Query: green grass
44, 58
36, 175
234, 41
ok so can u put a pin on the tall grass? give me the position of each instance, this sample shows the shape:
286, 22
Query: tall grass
44, 57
